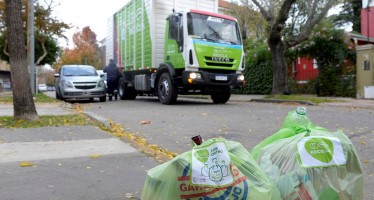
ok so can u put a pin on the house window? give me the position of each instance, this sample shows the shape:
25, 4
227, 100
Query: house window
315, 65
298, 60
367, 65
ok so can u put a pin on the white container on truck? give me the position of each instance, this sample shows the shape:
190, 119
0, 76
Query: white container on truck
164, 52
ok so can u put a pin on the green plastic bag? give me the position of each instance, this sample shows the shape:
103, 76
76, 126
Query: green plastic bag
308, 162
216, 169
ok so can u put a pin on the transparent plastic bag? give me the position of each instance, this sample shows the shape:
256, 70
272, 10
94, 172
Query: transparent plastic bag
216, 169
309, 162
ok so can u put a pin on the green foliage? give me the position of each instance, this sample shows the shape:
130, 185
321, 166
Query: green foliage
315, 100
39, 98
46, 28
258, 70
50, 44
53, 50
63, 120
308, 88
350, 13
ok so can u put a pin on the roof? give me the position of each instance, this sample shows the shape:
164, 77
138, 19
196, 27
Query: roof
359, 37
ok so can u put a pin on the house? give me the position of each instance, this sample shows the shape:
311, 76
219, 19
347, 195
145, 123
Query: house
365, 52
5, 77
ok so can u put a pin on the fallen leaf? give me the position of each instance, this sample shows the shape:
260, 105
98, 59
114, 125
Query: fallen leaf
130, 196
25, 164
95, 156
366, 161
145, 122
362, 142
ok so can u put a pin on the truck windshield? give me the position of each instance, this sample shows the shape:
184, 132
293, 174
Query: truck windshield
213, 29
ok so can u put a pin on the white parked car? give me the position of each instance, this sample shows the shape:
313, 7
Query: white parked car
42, 88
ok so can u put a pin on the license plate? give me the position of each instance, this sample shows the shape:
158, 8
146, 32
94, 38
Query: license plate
221, 78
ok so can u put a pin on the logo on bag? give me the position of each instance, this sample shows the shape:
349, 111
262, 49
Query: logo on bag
320, 148
202, 155
237, 190
210, 165
320, 151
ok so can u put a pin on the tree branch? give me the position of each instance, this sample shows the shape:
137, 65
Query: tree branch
266, 13
5, 48
44, 54
283, 14
310, 23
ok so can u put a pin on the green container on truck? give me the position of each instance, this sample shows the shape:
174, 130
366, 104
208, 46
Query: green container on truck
179, 47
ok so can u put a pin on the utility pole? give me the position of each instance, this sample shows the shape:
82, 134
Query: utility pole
31, 44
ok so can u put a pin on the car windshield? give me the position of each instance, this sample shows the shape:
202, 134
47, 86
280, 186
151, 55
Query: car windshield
213, 29
79, 71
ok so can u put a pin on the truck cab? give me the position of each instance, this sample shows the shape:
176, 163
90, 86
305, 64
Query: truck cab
203, 54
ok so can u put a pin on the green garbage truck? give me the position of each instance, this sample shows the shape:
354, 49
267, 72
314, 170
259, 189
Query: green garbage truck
179, 47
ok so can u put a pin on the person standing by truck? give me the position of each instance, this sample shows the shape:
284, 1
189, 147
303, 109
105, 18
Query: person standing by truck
113, 75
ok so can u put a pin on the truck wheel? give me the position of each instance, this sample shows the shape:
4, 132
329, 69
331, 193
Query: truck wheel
167, 91
221, 97
126, 93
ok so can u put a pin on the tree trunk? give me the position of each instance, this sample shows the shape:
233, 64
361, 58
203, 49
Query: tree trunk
23, 102
279, 63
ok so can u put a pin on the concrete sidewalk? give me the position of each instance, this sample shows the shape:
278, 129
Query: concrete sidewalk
68, 162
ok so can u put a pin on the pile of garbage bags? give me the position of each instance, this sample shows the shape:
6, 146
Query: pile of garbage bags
216, 169
301, 161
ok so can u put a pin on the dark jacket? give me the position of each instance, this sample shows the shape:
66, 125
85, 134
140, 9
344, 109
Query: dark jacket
112, 72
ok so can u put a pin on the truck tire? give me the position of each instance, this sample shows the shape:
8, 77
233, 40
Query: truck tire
126, 93
167, 91
221, 97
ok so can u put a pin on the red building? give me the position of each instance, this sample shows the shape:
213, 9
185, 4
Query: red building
367, 18
304, 69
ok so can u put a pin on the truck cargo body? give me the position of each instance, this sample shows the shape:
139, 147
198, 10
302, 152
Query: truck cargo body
148, 38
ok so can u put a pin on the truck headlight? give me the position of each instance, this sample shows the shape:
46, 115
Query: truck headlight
241, 77
195, 75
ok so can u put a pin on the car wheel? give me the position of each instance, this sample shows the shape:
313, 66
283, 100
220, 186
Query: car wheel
167, 91
103, 99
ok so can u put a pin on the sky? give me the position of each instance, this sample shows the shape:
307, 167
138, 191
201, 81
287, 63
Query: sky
82, 13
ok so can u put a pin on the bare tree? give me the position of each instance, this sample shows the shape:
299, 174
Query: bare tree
277, 14
23, 102
248, 18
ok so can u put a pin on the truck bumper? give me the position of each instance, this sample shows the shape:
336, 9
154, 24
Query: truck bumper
202, 78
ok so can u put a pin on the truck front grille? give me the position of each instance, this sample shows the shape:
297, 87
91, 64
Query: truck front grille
224, 63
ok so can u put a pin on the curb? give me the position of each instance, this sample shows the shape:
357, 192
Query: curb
283, 101
98, 118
